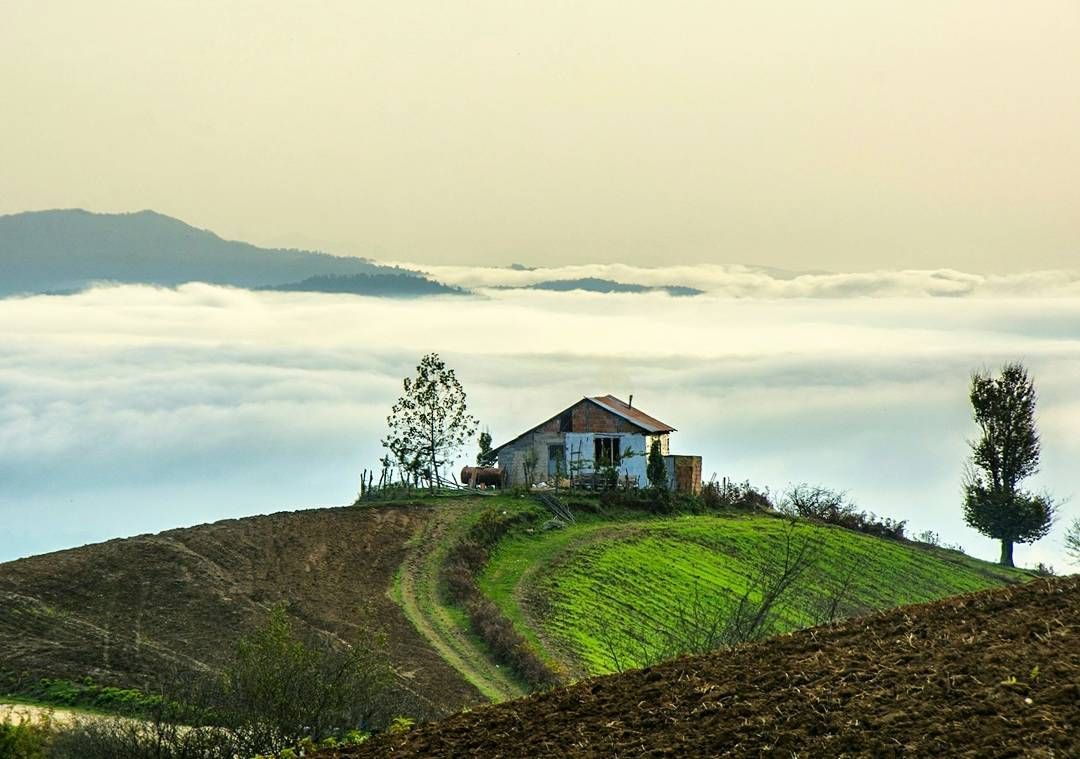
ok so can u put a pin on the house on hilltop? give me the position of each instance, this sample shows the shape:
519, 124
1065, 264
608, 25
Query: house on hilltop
594, 434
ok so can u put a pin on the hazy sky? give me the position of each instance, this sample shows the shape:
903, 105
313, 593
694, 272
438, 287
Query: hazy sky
839, 135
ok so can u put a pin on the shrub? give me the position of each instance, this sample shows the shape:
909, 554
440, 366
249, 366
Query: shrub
87, 693
114, 737
282, 691
655, 470
821, 504
25, 739
929, 537
727, 494
281, 688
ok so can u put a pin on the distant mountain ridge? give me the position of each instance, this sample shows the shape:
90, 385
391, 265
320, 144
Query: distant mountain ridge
399, 285
607, 286
64, 250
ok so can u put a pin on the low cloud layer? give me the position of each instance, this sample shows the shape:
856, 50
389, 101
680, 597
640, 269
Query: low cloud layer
757, 282
133, 409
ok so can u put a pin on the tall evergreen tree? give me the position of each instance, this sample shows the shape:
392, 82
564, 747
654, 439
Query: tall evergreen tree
430, 421
655, 470
486, 457
1005, 453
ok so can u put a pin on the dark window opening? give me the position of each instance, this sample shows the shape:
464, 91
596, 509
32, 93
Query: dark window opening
606, 451
556, 460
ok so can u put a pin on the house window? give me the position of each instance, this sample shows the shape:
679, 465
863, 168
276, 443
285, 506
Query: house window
606, 451
556, 460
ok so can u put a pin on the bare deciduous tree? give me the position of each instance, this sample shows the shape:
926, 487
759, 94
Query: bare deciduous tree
702, 622
1072, 541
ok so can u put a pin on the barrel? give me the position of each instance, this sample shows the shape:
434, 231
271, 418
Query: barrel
482, 476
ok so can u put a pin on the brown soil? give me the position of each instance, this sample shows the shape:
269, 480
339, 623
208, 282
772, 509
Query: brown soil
995, 673
125, 611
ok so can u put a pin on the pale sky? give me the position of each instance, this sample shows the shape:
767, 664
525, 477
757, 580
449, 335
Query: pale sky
828, 135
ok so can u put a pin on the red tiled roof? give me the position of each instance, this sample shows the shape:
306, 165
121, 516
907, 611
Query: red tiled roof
631, 414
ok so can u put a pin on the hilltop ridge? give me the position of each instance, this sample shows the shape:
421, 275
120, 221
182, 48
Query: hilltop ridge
126, 611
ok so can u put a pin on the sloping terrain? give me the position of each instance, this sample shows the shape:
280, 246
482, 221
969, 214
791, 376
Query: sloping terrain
126, 611
418, 592
587, 594
994, 673
67, 249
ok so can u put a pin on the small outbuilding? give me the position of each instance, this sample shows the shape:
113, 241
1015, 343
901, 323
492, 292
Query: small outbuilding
593, 435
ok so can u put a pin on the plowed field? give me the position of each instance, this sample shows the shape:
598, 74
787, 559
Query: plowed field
994, 673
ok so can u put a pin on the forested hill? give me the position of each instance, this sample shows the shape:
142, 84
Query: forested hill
63, 250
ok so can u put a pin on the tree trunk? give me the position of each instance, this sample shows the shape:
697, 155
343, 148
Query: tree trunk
1007, 553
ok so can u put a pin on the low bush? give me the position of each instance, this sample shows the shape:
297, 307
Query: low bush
286, 690
727, 494
929, 537
821, 504
25, 738
91, 695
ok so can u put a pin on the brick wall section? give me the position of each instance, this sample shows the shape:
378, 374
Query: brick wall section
586, 416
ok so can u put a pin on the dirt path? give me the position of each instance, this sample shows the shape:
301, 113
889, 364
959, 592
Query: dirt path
419, 598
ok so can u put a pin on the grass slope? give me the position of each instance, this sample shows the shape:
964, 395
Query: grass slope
993, 673
567, 589
126, 611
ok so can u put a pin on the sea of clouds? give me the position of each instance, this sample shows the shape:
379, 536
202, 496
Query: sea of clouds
130, 409
737, 281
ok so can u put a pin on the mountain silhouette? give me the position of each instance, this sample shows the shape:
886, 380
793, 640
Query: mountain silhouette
64, 250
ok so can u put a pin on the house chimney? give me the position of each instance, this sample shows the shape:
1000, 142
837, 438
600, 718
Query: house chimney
631, 403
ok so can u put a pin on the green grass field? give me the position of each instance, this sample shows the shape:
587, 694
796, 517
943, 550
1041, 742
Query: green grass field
565, 590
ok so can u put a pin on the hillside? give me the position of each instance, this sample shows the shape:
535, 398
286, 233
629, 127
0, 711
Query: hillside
63, 250
580, 591
995, 673
126, 611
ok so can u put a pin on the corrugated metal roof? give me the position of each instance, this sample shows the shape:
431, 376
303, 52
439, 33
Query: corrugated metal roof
631, 414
